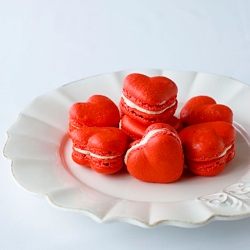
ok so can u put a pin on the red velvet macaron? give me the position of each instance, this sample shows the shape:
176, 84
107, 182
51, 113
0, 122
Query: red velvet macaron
201, 109
148, 99
208, 147
101, 148
98, 110
157, 157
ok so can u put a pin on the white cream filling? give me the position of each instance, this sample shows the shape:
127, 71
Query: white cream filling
145, 140
134, 106
86, 152
225, 151
74, 126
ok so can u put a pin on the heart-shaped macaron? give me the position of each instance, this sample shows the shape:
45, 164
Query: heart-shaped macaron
101, 148
98, 111
208, 147
148, 99
201, 109
157, 157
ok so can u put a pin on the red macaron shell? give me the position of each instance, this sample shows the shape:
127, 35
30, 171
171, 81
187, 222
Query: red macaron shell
135, 130
200, 109
107, 167
148, 91
98, 111
204, 146
105, 148
108, 141
175, 122
160, 159
80, 139
153, 94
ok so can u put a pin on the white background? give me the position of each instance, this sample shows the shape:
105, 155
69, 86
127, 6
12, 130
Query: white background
45, 44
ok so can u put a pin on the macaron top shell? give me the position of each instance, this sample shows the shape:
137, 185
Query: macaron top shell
98, 110
108, 141
81, 136
201, 109
101, 140
157, 157
149, 92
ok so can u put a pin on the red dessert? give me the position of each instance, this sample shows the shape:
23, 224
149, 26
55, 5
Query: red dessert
157, 152
98, 110
201, 109
102, 149
158, 157
208, 147
148, 99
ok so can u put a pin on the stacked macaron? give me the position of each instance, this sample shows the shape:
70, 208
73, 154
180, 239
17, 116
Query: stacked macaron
101, 148
208, 135
146, 135
97, 140
146, 100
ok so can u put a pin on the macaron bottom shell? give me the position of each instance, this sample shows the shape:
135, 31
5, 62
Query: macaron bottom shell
81, 159
109, 166
210, 168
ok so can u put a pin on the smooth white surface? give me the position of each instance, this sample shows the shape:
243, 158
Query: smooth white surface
45, 44
40, 151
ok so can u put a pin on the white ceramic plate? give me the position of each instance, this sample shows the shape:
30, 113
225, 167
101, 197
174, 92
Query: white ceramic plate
40, 152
